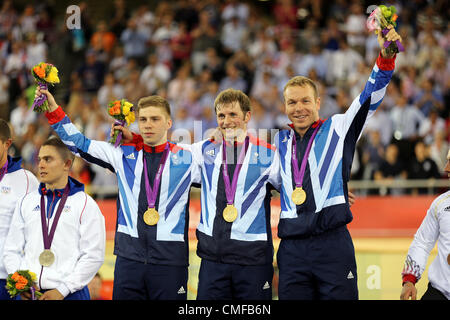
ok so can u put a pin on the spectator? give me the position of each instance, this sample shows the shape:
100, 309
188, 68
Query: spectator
21, 117
134, 89
381, 122
4, 96
422, 166
134, 42
14, 69
110, 90
431, 126
233, 79
8, 17
233, 36
120, 15
438, 150
91, 73
285, 12
155, 75
342, 62
36, 50
179, 88
204, 37
181, 43
234, 9
103, 39
355, 26
428, 98
118, 63
28, 20
391, 169
406, 120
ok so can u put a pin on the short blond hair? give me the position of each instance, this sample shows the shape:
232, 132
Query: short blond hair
154, 101
302, 82
230, 96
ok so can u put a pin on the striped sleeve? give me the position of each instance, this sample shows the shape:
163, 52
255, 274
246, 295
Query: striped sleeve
97, 152
364, 105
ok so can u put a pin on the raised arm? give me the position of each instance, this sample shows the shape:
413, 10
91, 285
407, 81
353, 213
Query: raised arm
365, 105
97, 152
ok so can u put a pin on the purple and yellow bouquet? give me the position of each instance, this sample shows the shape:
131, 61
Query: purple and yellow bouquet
379, 20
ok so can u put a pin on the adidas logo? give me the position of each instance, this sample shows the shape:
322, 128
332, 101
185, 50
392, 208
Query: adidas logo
447, 209
266, 285
350, 275
210, 152
131, 156
37, 208
181, 290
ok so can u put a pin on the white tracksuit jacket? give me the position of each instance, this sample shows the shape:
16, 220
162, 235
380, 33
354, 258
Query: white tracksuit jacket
78, 243
435, 227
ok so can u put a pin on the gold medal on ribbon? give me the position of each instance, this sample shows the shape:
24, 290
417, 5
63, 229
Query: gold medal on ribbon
46, 258
230, 213
298, 196
151, 216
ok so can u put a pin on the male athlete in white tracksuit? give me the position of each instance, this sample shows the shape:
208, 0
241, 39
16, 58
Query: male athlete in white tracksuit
435, 227
62, 213
15, 182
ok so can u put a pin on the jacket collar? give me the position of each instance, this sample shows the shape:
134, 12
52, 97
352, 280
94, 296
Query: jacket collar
138, 143
310, 129
74, 187
14, 164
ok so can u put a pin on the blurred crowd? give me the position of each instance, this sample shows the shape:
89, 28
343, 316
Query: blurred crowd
188, 51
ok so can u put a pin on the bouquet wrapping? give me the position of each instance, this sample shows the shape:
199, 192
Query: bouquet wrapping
45, 74
22, 281
379, 20
123, 113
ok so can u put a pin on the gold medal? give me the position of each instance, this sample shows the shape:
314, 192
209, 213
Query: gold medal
230, 213
46, 258
298, 196
151, 216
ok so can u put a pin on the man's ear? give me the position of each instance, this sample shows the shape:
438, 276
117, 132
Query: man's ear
247, 116
318, 103
8, 143
68, 164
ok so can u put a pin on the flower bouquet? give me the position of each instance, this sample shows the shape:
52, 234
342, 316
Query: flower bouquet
122, 111
379, 20
44, 74
22, 281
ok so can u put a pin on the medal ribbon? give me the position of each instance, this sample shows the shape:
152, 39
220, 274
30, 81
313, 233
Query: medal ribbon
48, 237
299, 174
153, 193
4, 170
230, 189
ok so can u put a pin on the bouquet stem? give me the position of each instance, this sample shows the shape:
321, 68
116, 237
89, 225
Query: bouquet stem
40, 101
117, 136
